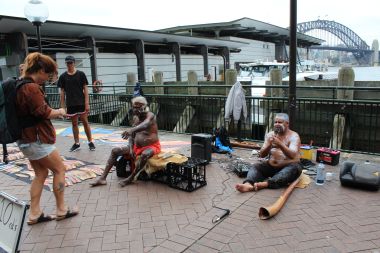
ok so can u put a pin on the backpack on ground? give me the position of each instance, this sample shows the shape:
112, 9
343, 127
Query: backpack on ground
10, 124
221, 141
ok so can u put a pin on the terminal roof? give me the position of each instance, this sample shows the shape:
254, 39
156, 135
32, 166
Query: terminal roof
74, 30
244, 28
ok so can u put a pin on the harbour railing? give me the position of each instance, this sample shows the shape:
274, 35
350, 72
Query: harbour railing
321, 119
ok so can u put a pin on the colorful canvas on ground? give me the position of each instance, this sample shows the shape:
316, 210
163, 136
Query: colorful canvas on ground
76, 171
113, 137
14, 153
97, 133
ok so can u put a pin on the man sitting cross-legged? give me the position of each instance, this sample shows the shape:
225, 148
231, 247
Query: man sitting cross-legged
282, 146
143, 141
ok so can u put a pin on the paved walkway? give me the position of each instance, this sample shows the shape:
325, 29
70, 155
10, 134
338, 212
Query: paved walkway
152, 217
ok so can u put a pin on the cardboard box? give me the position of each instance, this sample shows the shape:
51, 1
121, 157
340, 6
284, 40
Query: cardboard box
328, 156
306, 152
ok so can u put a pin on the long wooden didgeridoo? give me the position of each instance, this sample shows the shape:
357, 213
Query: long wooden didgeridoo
270, 211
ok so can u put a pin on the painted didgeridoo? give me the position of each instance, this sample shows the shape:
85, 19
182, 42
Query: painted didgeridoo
270, 211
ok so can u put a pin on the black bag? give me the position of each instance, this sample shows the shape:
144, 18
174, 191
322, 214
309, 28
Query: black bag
365, 176
223, 136
239, 167
122, 167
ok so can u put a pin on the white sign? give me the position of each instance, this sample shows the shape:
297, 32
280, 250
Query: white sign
12, 215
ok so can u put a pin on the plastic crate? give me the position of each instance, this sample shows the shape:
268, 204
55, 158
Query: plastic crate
188, 176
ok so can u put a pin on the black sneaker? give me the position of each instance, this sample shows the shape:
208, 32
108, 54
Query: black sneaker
75, 147
91, 146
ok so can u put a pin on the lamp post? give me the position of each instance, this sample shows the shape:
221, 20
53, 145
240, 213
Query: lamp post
37, 13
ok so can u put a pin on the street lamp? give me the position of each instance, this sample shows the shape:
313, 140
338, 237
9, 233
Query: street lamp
37, 13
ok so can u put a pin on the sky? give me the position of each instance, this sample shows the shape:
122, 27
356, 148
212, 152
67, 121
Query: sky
360, 16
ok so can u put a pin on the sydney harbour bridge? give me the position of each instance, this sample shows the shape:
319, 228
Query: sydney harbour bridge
339, 38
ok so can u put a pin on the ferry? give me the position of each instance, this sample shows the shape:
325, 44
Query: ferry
258, 73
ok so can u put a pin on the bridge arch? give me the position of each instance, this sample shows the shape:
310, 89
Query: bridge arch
345, 34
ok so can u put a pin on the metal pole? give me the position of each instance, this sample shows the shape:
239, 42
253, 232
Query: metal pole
38, 25
292, 99
39, 38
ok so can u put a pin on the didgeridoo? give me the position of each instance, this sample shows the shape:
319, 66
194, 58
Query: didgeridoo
270, 211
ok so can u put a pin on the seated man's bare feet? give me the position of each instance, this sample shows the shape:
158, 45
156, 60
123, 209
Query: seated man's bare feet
126, 181
260, 185
246, 187
99, 181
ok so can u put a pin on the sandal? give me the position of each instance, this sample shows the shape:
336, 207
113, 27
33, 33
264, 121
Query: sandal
40, 219
69, 214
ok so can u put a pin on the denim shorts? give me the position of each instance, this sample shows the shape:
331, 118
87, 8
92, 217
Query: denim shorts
36, 150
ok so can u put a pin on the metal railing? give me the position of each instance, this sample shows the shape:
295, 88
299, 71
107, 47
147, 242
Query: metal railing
350, 125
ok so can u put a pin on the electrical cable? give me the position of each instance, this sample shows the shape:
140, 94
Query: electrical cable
227, 212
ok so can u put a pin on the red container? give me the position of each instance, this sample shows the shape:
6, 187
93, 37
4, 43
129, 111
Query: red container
328, 156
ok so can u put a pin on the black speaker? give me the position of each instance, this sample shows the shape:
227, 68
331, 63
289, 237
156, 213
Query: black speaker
201, 146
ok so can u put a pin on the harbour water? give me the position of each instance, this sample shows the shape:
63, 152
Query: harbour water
363, 73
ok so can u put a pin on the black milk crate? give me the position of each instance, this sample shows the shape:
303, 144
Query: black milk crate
188, 176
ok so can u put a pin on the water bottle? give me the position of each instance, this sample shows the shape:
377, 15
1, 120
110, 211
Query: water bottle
320, 179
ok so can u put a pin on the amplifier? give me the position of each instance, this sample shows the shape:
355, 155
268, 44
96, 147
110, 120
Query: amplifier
201, 146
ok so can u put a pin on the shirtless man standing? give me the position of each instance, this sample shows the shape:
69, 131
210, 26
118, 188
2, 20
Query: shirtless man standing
143, 142
282, 166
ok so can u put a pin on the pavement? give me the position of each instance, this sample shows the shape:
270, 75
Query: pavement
148, 216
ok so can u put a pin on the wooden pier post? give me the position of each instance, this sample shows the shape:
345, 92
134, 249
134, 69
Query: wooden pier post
346, 77
275, 77
375, 48
131, 80
159, 80
192, 78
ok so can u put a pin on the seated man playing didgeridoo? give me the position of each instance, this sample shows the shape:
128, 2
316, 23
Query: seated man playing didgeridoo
280, 155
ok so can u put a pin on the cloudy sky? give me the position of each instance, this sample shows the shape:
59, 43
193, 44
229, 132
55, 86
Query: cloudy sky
360, 16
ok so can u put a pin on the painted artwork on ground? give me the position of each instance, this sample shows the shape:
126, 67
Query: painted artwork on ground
113, 137
14, 152
76, 171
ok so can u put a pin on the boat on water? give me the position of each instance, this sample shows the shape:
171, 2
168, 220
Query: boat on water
258, 73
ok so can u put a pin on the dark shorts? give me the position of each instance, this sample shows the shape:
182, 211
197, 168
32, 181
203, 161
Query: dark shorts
77, 109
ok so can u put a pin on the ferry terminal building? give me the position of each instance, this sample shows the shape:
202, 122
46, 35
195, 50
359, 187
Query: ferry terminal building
109, 53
